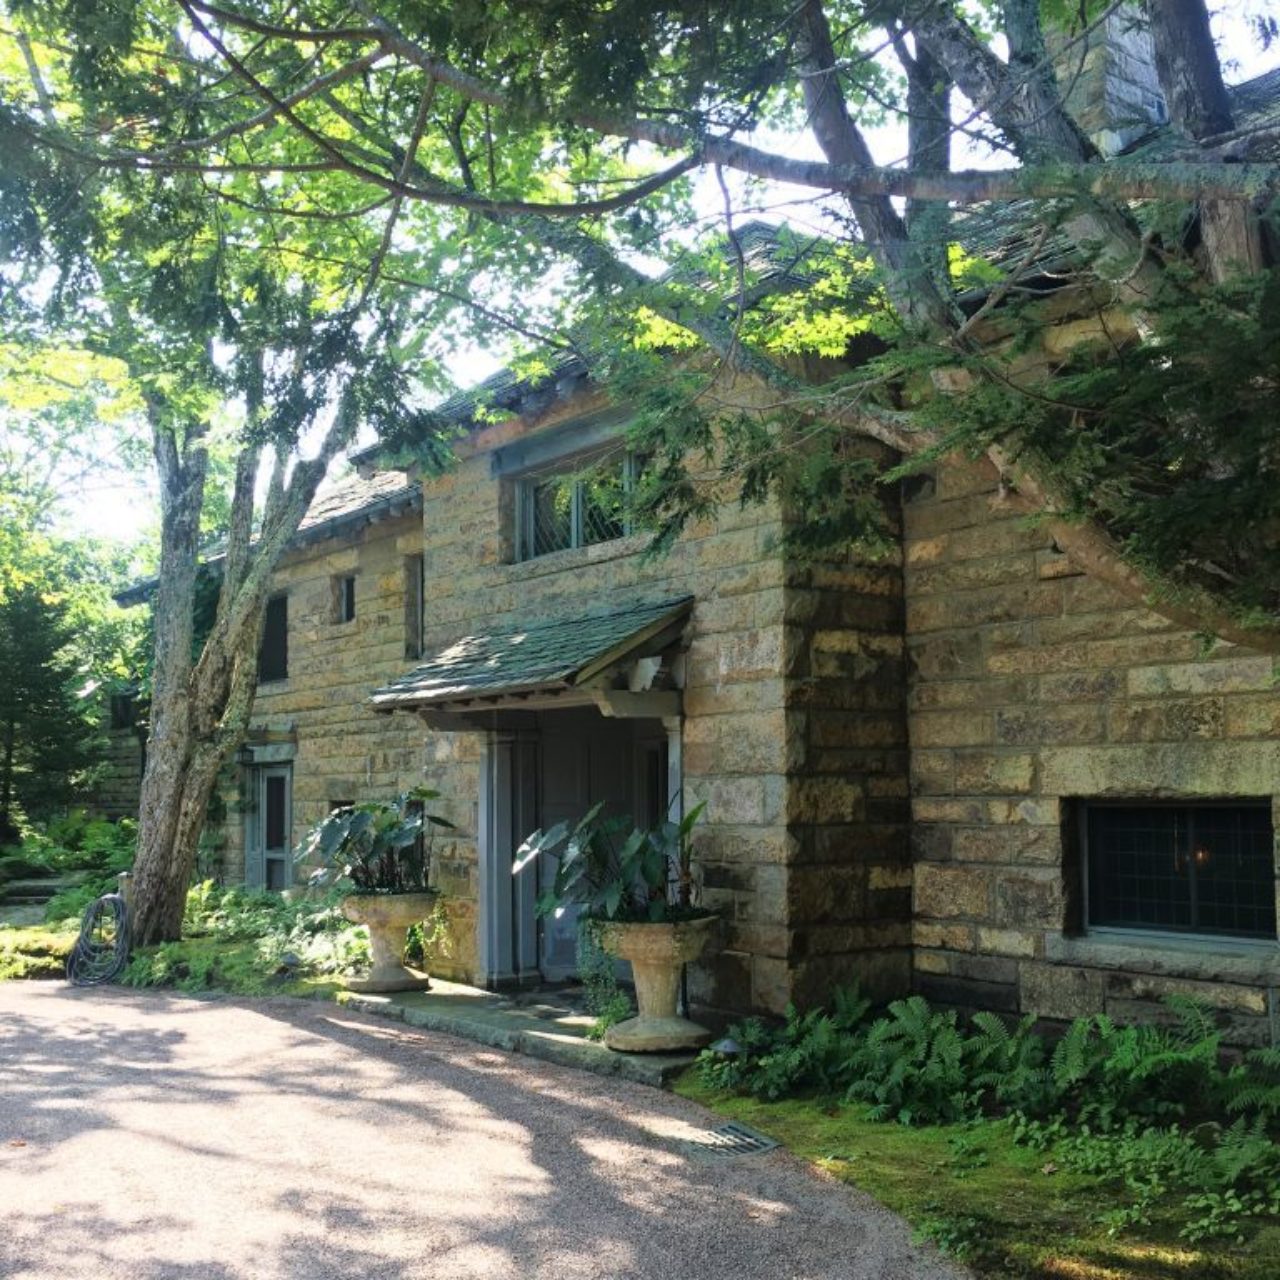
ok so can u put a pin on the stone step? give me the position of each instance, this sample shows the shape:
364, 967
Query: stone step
37, 891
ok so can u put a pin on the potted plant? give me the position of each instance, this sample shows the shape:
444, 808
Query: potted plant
381, 848
637, 887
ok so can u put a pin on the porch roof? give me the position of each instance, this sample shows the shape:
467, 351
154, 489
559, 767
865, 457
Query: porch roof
541, 658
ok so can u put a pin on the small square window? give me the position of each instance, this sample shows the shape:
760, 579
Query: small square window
1205, 868
342, 589
273, 653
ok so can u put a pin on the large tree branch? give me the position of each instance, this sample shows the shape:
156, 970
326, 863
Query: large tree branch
1191, 78
905, 271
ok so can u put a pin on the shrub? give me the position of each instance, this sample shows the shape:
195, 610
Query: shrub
249, 941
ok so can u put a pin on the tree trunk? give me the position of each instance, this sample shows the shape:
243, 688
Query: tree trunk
1191, 80
160, 881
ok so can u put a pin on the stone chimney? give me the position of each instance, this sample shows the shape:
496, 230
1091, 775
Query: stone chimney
1109, 81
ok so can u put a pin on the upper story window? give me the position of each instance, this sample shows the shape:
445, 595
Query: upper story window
414, 595
576, 503
1207, 868
273, 654
342, 598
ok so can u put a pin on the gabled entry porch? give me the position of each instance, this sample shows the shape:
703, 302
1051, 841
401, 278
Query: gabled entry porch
572, 713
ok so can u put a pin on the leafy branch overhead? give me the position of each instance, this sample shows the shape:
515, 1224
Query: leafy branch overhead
538, 175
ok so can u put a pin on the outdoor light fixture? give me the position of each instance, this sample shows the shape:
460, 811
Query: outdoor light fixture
727, 1048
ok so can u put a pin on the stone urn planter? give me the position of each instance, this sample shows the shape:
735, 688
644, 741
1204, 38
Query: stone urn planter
657, 952
387, 916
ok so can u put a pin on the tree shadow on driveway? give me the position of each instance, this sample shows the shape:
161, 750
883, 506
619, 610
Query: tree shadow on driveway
283, 1138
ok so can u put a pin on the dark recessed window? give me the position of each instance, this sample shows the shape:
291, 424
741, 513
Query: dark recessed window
273, 656
414, 591
1204, 868
575, 505
343, 598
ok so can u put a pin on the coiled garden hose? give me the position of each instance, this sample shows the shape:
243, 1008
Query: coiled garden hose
102, 949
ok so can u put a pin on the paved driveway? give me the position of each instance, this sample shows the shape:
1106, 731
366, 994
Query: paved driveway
148, 1136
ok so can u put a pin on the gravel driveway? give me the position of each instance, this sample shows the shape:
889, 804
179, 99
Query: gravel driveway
150, 1136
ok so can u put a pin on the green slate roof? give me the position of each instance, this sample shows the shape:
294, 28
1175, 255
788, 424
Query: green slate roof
540, 657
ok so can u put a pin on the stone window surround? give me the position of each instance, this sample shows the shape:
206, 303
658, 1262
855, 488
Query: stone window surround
563, 467
540, 453
1195, 956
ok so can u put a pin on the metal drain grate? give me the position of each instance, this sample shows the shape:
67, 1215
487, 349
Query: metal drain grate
730, 1139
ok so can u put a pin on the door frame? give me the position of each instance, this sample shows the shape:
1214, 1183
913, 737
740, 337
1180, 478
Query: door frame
508, 933
255, 851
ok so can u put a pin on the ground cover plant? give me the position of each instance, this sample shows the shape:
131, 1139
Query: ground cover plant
35, 952
1116, 1151
251, 942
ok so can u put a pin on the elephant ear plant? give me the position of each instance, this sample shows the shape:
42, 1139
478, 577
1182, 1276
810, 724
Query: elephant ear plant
635, 890
615, 872
376, 846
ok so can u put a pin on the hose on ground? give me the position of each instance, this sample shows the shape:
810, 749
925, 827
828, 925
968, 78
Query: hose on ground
102, 949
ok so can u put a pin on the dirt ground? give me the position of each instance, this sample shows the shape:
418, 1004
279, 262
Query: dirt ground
153, 1136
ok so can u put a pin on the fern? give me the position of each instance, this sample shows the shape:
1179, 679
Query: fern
1253, 1088
911, 1066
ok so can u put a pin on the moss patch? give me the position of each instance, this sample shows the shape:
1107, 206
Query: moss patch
1005, 1210
243, 967
36, 952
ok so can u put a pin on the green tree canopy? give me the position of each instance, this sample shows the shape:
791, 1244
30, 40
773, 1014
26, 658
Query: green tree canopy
523, 166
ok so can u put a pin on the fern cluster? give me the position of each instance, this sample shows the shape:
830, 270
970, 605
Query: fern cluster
1149, 1110
920, 1065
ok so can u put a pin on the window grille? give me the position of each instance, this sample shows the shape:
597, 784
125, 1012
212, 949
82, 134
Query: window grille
576, 507
1204, 868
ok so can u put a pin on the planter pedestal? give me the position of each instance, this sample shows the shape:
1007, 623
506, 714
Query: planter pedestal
387, 916
657, 952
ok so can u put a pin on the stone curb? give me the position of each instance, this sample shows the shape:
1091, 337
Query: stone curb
654, 1070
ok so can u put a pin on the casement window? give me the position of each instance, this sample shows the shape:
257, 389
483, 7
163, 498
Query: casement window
273, 654
1206, 868
342, 598
414, 595
574, 503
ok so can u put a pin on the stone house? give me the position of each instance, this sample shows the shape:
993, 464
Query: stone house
969, 770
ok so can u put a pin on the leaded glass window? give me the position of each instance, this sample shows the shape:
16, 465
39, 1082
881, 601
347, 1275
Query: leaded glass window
1203, 868
576, 505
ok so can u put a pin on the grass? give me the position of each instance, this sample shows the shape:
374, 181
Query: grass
1003, 1209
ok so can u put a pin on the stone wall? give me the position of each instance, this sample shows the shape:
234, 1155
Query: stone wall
849, 887
802, 835
1109, 82
119, 781
1033, 687
342, 751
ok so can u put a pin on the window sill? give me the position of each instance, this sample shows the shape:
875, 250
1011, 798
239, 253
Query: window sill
1203, 957
576, 557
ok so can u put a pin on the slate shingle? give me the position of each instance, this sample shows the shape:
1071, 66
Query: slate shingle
544, 655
